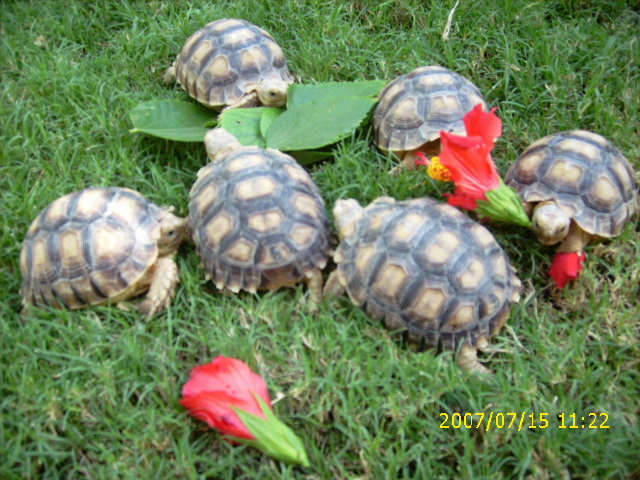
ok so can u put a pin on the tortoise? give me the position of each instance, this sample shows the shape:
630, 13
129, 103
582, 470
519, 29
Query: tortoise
257, 219
426, 270
101, 245
414, 108
232, 63
577, 188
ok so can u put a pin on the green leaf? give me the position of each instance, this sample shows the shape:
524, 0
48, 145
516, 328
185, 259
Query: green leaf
316, 124
268, 116
244, 123
309, 157
324, 92
172, 119
272, 436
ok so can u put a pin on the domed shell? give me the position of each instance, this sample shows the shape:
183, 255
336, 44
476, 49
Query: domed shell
89, 247
258, 221
227, 59
426, 269
584, 174
414, 108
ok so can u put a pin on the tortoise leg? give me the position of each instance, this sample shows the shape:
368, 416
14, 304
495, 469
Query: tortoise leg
430, 149
162, 288
408, 163
468, 361
314, 284
333, 288
576, 239
249, 100
169, 75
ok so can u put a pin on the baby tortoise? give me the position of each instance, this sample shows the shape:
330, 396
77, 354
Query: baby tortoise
232, 63
576, 187
414, 109
101, 245
427, 270
258, 219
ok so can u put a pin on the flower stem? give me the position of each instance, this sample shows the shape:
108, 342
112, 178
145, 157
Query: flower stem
503, 204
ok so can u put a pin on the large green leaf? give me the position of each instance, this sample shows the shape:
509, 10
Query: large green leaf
327, 92
307, 158
268, 116
245, 124
316, 124
172, 119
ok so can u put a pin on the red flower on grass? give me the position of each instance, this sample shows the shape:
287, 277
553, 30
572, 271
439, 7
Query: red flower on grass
214, 389
467, 162
231, 398
566, 266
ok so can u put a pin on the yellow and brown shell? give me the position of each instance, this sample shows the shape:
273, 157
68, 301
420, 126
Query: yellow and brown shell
584, 174
89, 247
426, 269
258, 221
414, 108
227, 59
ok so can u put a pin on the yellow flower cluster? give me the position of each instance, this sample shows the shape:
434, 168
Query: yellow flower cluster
437, 171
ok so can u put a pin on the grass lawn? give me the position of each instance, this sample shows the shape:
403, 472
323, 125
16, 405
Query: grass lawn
94, 393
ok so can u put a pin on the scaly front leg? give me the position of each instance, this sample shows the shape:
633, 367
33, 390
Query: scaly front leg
162, 288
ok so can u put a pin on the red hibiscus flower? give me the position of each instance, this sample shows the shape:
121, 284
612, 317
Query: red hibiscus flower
467, 162
231, 398
469, 158
214, 389
566, 266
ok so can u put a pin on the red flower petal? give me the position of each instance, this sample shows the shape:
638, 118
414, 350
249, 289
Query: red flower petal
487, 125
214, 388
471, 167
461, 201
214, 409
566, 266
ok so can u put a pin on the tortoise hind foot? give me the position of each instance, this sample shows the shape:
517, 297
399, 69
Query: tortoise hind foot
468, 361
169, 75
162, 288
314, 284
333, 288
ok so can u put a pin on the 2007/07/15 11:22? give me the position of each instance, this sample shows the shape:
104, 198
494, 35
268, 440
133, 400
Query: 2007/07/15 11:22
521, 420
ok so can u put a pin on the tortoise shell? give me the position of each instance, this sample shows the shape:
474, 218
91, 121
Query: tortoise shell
426, 269
89, 247
258, 221
584, 174
414, 108
227, 59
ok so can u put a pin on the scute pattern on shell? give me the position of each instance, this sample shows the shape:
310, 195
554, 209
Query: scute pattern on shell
226, 59
414, 108
258, 221
585, 174
88, 247
427, 269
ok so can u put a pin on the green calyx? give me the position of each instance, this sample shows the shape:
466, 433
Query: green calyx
503, 204
272, 436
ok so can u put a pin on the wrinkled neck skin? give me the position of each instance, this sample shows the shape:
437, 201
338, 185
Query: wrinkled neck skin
173, 230
576, 240
345, 212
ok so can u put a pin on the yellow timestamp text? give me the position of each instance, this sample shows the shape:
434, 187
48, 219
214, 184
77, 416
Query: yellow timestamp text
522, 420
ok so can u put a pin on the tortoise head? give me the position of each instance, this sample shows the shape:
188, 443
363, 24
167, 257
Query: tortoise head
173, 230
219, 142
273, 92
345, 212
550, 223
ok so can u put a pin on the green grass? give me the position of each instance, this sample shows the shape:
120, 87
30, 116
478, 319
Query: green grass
94, 394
